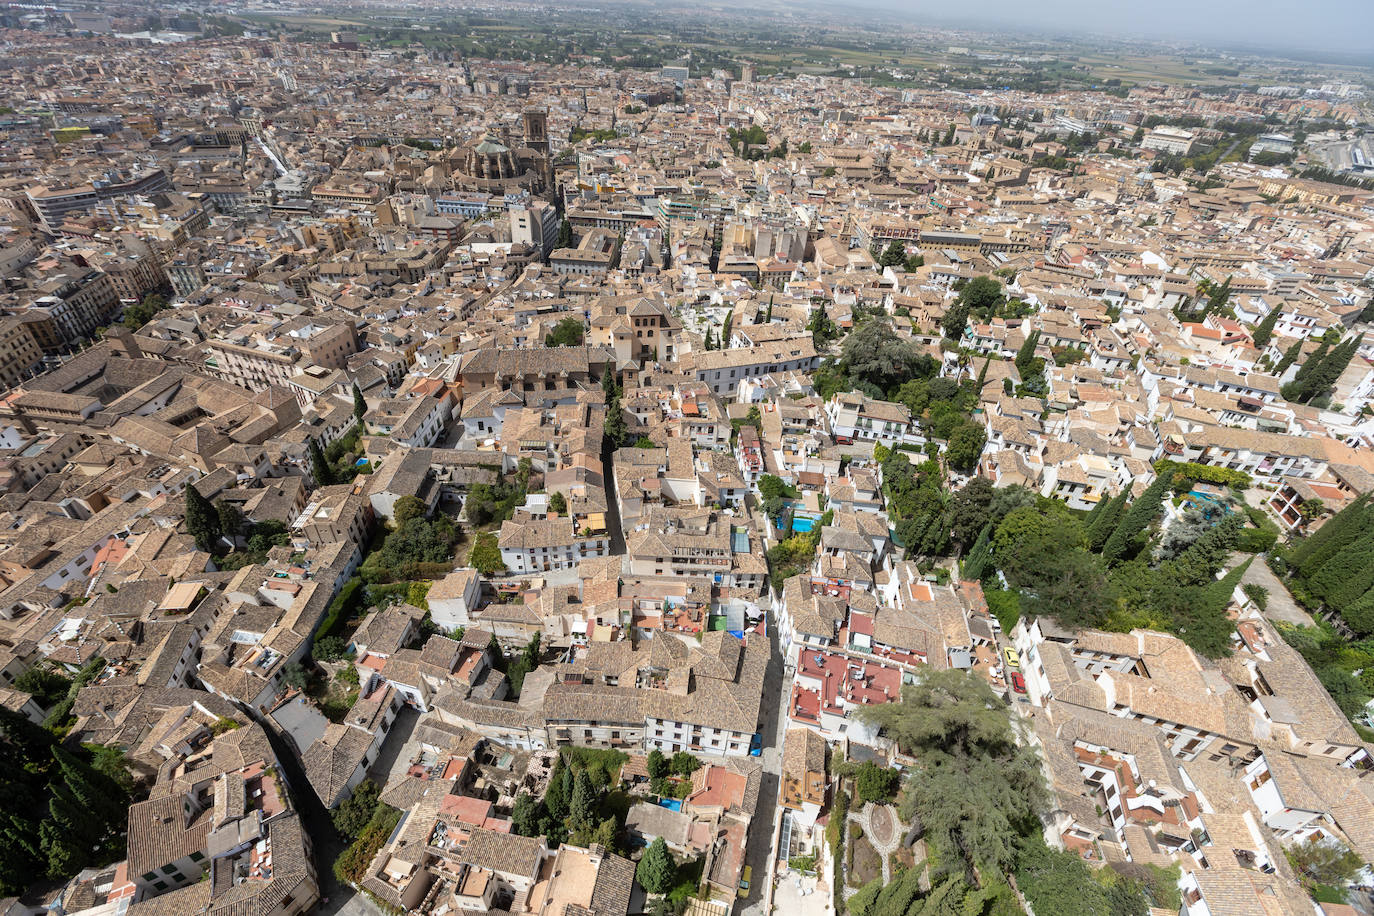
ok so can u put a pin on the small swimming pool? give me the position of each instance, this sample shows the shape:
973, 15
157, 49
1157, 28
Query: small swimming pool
802, 524
672, 804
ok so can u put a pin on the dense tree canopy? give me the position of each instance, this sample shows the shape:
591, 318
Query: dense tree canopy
975, 786
874, 353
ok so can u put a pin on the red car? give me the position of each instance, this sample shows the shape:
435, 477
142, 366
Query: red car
1018, 682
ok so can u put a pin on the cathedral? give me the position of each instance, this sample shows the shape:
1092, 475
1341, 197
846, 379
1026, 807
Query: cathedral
492, 165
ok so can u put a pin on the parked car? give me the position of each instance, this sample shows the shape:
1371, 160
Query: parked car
1012, 658
756, 744
1018, 682
744, 879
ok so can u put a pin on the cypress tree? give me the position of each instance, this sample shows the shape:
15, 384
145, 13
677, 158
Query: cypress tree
1347, 575
656, 869
1329, 371
359, 404
1219, 296
1311, 363
1101, 527
557, 798
319, 467
583, 799
1265, 331
1290, 356
979, 555
202, 520
1359, 615
1333, 529
1350, 529
1096, 511
1135, 520
1025, 356
1344, 564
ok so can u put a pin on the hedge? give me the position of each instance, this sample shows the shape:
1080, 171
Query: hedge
1203, 473
343, 607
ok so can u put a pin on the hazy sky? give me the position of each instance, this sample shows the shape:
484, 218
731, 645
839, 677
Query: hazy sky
1337, 25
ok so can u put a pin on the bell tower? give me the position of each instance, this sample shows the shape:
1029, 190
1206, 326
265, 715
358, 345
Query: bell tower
536, 123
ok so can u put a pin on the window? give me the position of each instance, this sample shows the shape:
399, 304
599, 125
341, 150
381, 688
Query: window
169, 869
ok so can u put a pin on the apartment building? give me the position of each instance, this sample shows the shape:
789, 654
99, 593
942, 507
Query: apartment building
260, 354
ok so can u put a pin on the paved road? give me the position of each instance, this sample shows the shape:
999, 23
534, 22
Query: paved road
1280, 606
759, 850
324, 839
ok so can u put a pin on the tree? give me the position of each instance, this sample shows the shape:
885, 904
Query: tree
1309, 365
565, 234
1029, 539
559, 793
583, 803
982, 295
1289, 357
656, 870
558, 503
359, 404
949, 135
1264, 331
526, 815
1025, 356
1102, 524
1057, 881
955, 320
1317, 383
136, 316
231, 520
1218, 297
408, 507
979, 558
894, 254
684, 764
1324, 861
202, 521
657, 764
330, 649
965, 446
112, 762
1126, 539
45, 685
319, 468
295, 675
969, 510
874, 353
355, 811
876, 784
616, 429
975, 785
568, 332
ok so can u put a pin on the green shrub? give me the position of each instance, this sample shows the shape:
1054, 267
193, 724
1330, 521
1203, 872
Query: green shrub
351, 865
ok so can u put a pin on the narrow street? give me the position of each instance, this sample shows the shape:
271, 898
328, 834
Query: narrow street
759, 850
325, 841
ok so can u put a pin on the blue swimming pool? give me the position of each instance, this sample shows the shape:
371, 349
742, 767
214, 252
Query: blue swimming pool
803, 524
672, 804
